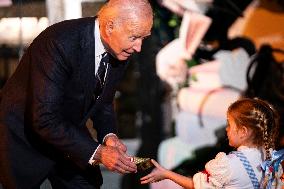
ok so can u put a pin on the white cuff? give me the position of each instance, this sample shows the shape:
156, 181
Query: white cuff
91, 160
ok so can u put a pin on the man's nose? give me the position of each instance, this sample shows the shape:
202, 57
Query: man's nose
137, 45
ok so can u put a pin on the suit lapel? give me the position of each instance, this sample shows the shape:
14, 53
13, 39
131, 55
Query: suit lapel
87, 65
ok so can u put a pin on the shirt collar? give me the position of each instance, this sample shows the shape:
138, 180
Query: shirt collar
99, 47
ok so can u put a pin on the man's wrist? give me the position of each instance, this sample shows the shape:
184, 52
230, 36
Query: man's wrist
96, 157
98, 154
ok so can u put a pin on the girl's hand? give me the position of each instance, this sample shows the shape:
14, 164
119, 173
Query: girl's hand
158, 174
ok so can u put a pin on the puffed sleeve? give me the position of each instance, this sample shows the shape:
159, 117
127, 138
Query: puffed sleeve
216, 175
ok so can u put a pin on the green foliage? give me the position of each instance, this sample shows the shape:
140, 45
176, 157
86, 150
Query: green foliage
191, 63
174, 23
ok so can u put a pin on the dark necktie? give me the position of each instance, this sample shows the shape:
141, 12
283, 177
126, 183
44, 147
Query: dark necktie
100, 75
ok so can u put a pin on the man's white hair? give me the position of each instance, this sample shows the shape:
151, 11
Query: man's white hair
121, 10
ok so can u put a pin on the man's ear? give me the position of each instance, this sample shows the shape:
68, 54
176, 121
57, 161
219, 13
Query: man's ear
109, 27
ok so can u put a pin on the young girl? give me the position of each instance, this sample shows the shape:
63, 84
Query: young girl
252, 128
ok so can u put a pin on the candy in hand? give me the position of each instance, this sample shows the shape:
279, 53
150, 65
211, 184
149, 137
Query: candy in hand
142, 163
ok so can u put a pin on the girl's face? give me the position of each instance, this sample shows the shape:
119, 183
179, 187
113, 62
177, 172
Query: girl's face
233, 132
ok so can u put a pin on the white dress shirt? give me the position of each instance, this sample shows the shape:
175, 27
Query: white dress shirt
99, 47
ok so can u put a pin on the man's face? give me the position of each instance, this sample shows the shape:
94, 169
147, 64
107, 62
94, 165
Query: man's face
126, 37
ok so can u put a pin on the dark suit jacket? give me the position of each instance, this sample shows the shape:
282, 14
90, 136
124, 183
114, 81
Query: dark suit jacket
46, 103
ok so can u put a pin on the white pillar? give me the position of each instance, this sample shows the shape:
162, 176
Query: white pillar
73, 9
59, 10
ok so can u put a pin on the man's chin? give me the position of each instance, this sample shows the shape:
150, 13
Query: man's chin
122, 58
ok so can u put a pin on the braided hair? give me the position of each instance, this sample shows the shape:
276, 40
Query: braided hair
260, 117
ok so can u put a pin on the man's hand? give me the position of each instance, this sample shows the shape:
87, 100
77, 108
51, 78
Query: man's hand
114, 141
115, 160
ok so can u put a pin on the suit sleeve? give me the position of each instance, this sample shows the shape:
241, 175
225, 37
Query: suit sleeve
104, 121
49, 73
104, 116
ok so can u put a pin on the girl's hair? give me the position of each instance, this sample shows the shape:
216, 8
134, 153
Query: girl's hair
259, 116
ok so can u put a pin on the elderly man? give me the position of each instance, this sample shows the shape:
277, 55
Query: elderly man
68, 75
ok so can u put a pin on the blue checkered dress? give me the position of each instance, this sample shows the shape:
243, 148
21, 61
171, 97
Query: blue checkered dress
248, 168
